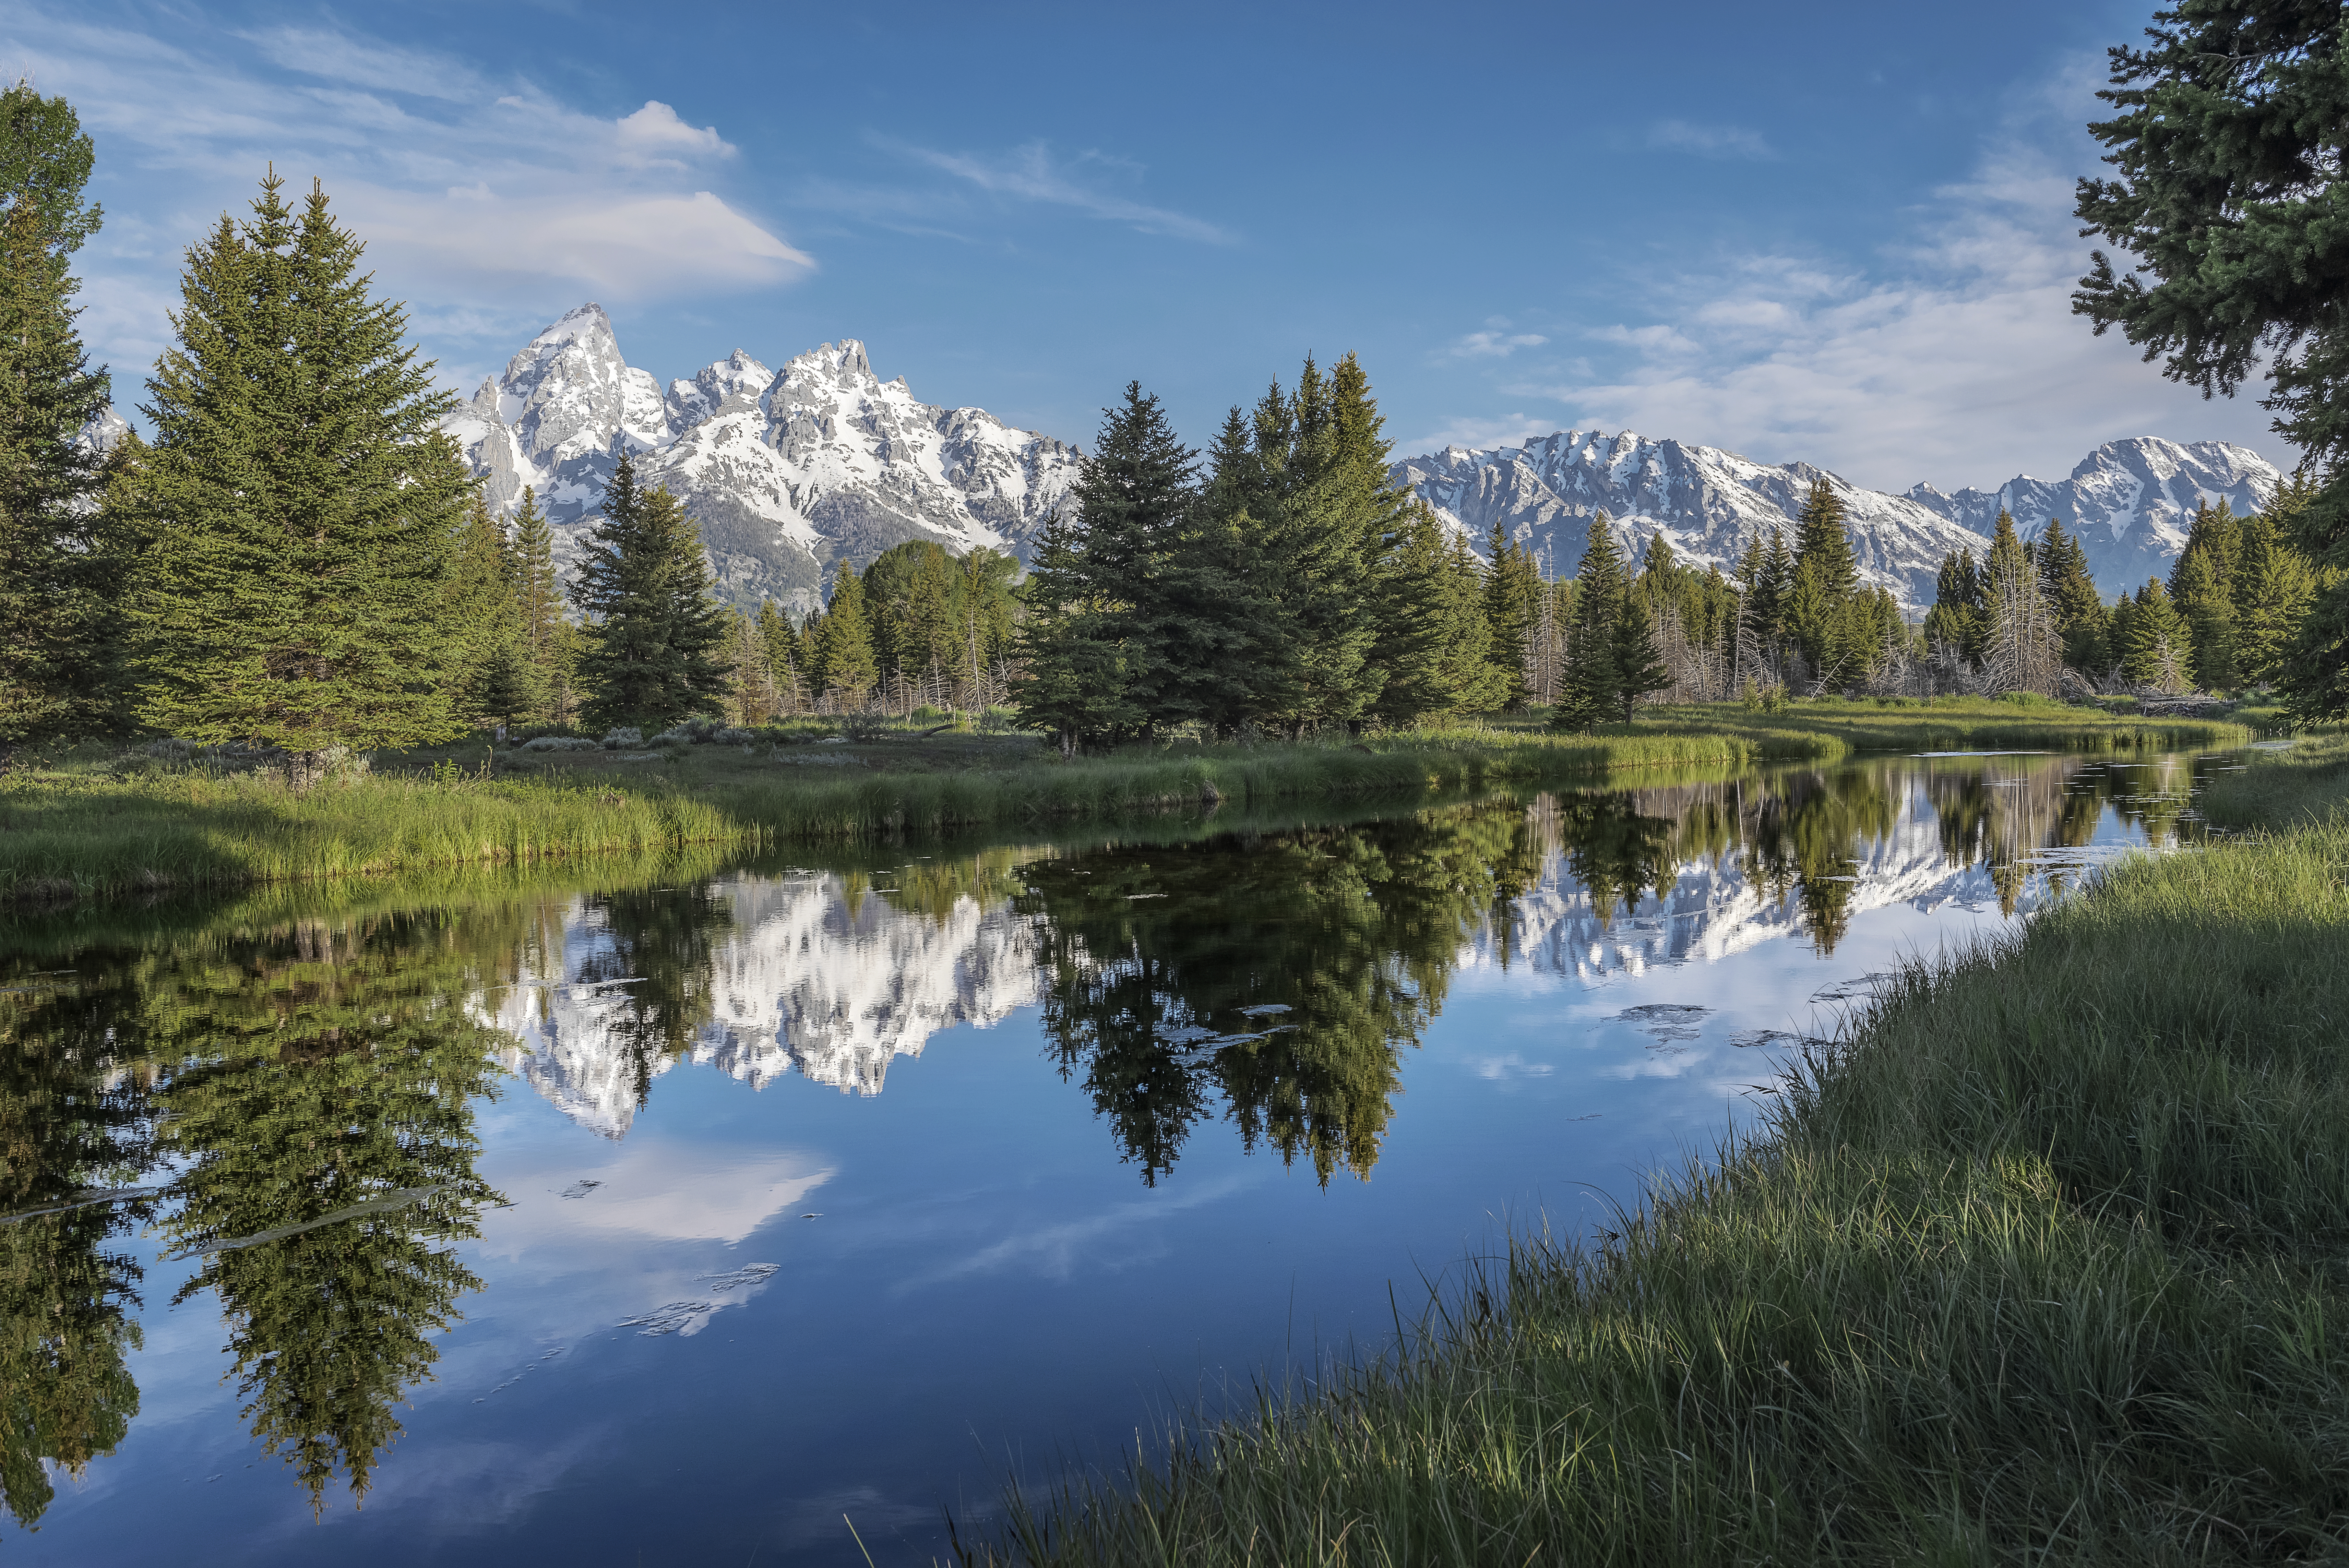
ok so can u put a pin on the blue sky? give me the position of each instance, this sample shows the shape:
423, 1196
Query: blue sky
1837, 232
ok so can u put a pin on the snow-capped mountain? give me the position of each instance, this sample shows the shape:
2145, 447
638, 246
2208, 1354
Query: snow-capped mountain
808, 980
2129, 501
784, 472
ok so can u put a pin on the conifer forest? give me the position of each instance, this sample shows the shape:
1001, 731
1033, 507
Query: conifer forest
1275, 584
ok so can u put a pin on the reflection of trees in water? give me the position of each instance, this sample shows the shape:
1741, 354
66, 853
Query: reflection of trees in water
1151, 955
291, 1074
664, 941
70, 1120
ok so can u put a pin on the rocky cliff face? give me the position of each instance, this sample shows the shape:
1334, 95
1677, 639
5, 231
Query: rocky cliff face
784, 472
2129, 501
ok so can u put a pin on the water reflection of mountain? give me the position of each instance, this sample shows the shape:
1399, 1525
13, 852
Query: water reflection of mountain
1724, 868
811, 972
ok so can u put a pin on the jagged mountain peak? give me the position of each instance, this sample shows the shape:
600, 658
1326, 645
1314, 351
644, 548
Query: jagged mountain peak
784, 472
2129, 501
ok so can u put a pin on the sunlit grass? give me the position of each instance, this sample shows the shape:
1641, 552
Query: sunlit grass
2041, 1259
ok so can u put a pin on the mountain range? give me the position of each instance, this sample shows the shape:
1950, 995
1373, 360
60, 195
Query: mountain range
787, 471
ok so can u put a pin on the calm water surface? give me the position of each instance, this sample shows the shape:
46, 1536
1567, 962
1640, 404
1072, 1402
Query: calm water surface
672, 1222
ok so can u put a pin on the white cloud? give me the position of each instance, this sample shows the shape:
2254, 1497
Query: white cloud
624, 246
656, 137
1493, 345
1708, 141
480, 202
1950, 355
1508, 429
1031, 173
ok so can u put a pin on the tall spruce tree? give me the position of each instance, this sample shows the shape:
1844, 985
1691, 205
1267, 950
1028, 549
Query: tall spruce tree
1512, 588
1072, 683
2197, 588
2161, 650
1594, 686
2079, 609
2276, 587
306, 504
1637, 667
1324, 500
1827, 582
654, 656
538, 600
844, 658
1134, 498
55, 614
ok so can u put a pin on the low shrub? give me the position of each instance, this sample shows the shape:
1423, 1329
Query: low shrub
621, 738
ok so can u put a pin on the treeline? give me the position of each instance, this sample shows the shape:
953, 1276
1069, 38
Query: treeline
300, 559
2229, 615
1282, 586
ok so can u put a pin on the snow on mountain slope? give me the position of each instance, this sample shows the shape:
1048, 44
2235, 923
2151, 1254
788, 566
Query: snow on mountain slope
807, 980
2130, 500
785, 472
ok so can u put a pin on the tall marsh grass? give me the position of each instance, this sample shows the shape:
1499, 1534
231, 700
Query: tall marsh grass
75, 836
2044, 1259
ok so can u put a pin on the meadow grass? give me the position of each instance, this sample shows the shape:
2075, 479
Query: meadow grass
98, 823
2046, 1257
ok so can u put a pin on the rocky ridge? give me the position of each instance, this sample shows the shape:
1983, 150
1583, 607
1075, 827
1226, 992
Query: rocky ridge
2129, 502
784, 472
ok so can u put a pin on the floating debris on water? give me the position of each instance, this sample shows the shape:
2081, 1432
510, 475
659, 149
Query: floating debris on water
1666, 1021
580, 1188
675, 1318
383, 1205
748, 1274
89, 1197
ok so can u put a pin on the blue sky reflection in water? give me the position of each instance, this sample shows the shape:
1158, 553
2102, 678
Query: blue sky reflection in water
1012, 1183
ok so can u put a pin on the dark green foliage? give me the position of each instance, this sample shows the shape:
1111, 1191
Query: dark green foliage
2079, 608
1438, 661
2275, 586
1638, 668
538, 609
2156, 646
1075, 682
1594, 685
657, 629
2227, 141
1820, 620
55, 609
70, 1120
1512, 589
303, 504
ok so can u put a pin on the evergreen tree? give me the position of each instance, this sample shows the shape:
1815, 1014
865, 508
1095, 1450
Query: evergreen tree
2275, 588
2159, 651
844, 656
538, 600
644, 585
55, 617
306, 504
1638, 670
1134, 499
780, 645
1074, 683
1512, 588
2225, 145
483, 591
1594, 686
2197, 588
1827, 581
1446, 667
1958, 622
2079, 608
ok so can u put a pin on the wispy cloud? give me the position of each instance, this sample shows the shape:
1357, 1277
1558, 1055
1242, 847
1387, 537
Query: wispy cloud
1949, 355
481, 200
1709, 140
1492, 345
1034, 173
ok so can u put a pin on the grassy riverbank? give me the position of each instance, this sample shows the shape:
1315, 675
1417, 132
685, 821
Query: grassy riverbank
2044, 1261
102, 822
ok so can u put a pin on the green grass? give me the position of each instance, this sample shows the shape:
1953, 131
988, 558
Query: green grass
2047, 1258
102, 822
